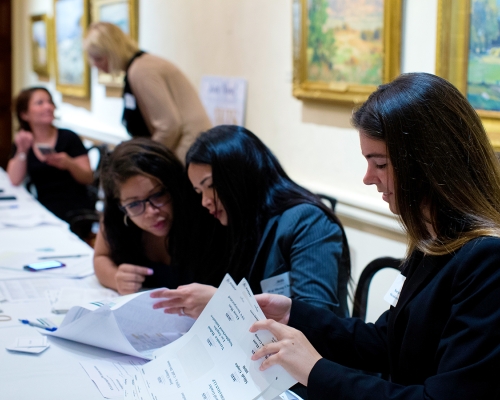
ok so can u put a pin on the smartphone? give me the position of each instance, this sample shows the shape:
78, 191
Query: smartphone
45, 149
43, 265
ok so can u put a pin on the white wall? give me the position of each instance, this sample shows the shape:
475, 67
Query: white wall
252, 39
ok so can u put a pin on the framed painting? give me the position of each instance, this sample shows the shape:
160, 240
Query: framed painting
342, 50
468, 55
71, 18
40, 54
123, 13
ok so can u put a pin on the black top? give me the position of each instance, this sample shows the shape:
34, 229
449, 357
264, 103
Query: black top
57, 190
132, 117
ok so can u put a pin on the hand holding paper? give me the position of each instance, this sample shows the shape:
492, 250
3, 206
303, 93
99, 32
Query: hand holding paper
275, 306
187, 300
292, 350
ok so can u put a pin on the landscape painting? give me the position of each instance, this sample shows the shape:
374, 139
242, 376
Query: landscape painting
468, 55
71, 20
343, 49
39, 44
483, 76
345, 41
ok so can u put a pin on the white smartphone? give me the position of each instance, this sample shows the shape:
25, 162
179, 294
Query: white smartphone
45, 148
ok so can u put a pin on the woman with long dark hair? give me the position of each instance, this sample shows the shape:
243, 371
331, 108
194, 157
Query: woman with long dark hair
154, 232
429, 156
281, 237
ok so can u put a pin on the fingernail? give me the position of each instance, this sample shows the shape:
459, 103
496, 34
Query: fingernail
150, 271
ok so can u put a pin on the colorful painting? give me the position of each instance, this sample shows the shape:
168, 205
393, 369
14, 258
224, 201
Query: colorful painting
468, 55
72, 73
345, 41
343, 49
39, 44
483, 77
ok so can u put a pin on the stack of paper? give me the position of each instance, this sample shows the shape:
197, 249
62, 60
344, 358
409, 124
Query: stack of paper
212, 361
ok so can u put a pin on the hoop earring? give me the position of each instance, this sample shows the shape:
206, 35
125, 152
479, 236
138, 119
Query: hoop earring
125, 222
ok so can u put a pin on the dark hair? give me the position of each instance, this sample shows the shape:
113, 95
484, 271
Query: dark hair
252, 186
445, 170
21, 104
191, 226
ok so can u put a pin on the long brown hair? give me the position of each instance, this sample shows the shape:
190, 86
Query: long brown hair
445, 170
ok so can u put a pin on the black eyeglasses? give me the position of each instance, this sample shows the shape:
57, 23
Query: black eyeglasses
138, 207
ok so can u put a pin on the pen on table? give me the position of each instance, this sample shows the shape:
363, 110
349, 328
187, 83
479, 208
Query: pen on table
68, 256
38, 325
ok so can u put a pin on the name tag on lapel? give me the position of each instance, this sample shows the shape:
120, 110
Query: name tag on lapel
392, 296
129, 101
279, 284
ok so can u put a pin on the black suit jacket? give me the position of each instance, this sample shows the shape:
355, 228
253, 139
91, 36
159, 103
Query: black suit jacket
441, 341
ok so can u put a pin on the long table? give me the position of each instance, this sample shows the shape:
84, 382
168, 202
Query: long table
27, 226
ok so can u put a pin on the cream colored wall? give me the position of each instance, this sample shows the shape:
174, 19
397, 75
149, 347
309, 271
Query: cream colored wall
252, 39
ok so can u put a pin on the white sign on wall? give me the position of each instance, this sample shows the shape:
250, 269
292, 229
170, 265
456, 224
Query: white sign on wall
224, 99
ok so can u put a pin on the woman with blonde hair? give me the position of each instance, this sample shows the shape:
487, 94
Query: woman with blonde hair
159, 100
429, 156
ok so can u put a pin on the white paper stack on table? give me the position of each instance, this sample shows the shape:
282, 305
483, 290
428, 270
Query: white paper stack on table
212, 361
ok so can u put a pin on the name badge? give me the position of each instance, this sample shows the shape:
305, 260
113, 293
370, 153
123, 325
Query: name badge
279, 284
392, 296
129, 101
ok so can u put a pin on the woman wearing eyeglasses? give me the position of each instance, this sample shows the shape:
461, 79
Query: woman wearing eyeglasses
141, 244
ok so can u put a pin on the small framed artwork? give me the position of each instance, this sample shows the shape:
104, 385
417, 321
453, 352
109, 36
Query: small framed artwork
123, 13
342, 50
468, 55
71, 18
40, 54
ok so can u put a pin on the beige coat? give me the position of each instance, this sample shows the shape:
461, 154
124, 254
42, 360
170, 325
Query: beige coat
168, 102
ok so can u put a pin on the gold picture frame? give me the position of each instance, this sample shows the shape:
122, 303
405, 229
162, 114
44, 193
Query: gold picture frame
123, 13
453, 57
71, 18
347, 91
40, 44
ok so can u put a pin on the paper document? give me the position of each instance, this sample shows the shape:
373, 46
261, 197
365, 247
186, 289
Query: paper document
212, 361
109, 375
20, 290
126, 324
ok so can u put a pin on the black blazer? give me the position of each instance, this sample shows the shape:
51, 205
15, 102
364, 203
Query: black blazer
441, 341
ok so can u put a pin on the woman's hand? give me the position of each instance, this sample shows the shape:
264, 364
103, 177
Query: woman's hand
275, 306
129, 278
185, 300
59, 160
292, 350
23, 140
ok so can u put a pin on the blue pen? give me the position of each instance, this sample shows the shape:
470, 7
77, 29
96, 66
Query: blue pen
42, 324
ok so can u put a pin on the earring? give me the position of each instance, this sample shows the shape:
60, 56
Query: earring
125, 220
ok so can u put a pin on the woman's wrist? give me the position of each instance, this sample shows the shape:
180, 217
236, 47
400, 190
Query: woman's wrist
21, 155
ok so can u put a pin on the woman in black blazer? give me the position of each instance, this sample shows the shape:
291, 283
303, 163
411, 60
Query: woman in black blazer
429, 156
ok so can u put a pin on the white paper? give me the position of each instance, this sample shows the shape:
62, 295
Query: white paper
126, 324
109, 375
212, 361
224, 99
29, 344
62, 300
279, 284
392, 295
31, 289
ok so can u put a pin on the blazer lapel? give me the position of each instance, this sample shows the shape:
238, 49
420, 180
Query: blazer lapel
269, 230
420, 277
